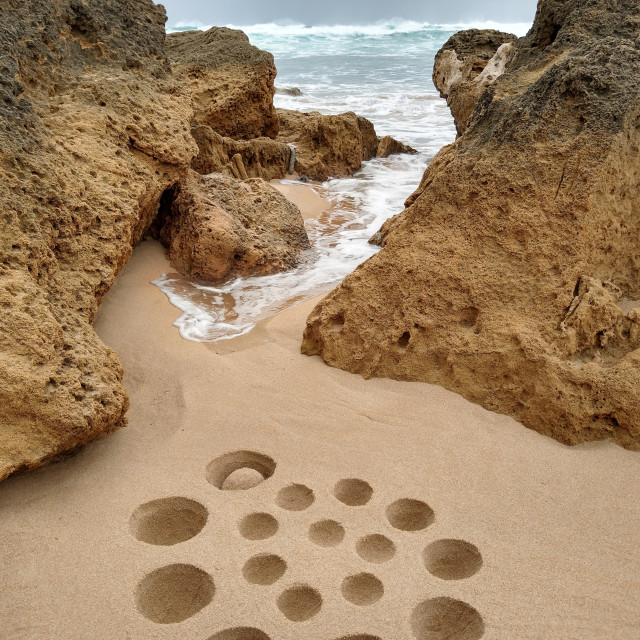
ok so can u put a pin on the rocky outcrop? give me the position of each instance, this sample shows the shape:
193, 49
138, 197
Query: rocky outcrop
257, 158
512, 277
215, 225
93, 130
332, 146
388, 146
468, 63
231, 81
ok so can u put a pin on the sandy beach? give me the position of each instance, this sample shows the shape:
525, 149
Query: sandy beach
543, 537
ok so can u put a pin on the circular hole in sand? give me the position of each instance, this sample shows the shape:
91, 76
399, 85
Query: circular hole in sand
326, 533
240, 470
241, 633
446, 619
295, 497
376, 548
353, 492
168, 521
362, 589
300, 603
174, 593
410, 515
452, 559
264, 569
258, 526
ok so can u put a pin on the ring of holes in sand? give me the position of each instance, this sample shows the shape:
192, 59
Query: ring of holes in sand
176, 592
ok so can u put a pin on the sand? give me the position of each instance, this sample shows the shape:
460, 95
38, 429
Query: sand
376, 509
311, 205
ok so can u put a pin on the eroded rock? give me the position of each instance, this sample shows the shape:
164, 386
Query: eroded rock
214, 225
94, 128
231, 81
511, 277
468, 63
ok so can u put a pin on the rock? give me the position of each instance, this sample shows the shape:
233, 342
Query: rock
215, 225
231, 81
512, 276
93, 129
261, 157
289, 91
328, 146
388, 146
468, 63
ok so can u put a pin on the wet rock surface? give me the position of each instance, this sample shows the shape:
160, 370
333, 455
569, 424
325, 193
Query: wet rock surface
511, 277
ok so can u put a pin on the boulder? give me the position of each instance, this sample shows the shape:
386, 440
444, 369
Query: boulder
215, 225
231, 81
388, 146
93, 129
260, 157
468, 63
512, 276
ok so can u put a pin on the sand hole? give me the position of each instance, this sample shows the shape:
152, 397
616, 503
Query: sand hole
300, 603
410, 515
258, 526
353, 492
240, 470
264, 569
295, 497
446, 619
363, 589
168, 521
174, 593
452, 559
376, 548
241, 633
326, 533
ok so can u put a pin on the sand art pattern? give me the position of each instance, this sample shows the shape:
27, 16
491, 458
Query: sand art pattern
175, 592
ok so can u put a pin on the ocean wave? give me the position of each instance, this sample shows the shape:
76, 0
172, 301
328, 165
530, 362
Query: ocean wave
376, 29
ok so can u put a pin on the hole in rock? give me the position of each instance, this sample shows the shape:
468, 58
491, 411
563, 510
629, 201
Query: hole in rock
295, 497
336, 323
353, 492
363, 589
174, 593
452, 559
241, 633
326, 533
410, 515
446, 619
264, 569
469, 317
168, 521
240, 470
300, 603
403, 340
258, 526
376, 548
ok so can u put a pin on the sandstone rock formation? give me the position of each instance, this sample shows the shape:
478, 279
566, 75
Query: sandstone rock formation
257, 158
512, 277
94, 129
467, 64
213, 225
333, 146
231, 81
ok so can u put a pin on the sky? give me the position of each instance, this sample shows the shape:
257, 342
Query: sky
249, 12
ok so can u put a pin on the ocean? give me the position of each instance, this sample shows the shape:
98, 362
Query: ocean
382, 72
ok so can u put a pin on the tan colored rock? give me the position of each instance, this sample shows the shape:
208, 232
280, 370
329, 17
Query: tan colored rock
328, 146
231, 81
389, 146
468, 63
216, 225
512, 276
93, 129
261, 157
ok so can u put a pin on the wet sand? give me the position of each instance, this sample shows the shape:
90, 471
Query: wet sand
311, 205
540, 540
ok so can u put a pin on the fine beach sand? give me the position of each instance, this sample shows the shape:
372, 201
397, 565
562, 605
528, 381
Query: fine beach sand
311, 205
557, 527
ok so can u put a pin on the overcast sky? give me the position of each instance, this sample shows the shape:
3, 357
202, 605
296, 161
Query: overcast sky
248, 12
